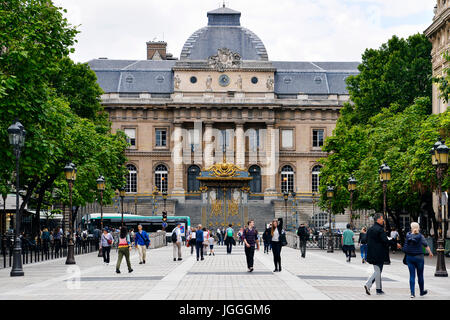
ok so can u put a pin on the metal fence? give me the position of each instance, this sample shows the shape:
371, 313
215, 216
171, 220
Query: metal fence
43, 250
314, 242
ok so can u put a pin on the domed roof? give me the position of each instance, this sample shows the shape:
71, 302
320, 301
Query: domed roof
224, 31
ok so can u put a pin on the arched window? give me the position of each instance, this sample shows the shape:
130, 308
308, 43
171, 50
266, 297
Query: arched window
161, 174
255, 183
316, 178
193, 183
287, 179
131, 186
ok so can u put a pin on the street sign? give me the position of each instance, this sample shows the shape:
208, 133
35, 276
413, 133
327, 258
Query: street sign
164, 225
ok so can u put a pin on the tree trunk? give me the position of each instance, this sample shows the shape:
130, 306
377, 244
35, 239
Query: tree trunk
28, 195
37, 217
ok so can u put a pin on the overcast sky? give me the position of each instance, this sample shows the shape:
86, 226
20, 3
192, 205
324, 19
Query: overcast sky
292, 30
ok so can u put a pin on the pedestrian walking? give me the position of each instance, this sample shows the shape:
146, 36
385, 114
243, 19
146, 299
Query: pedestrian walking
229, 238
106, 242
124, 249
222, 233
205, 241
199, 242
363, 244
377, 252
192, 241
266, 240
57, 240
348, 244
276, 241
395, 237
211, 241
413, 249
45, 239
250, 236
176, 241
142, 241
219, 235
303, 235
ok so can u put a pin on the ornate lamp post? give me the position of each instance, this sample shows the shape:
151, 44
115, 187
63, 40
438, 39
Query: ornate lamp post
330, 195
17, 133
122, 196
352, 187
71, 175
101, 188
294, 202
385, 177
440, 160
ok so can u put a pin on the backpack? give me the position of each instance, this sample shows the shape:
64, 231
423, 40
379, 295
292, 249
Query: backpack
230, 232
174, 236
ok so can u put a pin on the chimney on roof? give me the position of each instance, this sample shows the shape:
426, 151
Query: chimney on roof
156, 50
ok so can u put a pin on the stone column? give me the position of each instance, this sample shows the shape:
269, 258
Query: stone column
240, 145
177, 157
208, 159
271, 163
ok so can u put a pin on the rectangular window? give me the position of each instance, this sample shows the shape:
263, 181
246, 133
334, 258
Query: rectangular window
161, 137
287, 139
318, 137
131, 137
194, 139
254, 139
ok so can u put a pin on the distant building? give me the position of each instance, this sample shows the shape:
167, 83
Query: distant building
439, 35
223, 95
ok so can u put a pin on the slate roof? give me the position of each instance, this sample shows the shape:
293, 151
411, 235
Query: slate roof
134, 76
223, 31
313, 77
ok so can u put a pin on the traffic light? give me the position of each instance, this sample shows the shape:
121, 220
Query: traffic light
164, 216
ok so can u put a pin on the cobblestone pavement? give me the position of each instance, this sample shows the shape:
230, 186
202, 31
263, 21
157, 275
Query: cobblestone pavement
321, 276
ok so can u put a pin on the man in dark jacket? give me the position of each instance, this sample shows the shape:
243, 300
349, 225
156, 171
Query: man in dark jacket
378, 252
303, 234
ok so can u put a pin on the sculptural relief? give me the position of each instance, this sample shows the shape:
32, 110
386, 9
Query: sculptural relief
225, 59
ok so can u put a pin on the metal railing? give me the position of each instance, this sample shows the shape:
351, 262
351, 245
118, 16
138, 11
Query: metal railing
43, 250
314, 242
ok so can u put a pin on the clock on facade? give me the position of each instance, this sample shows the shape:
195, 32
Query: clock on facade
224, 80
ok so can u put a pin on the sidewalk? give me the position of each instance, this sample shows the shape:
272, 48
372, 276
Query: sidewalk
320, 276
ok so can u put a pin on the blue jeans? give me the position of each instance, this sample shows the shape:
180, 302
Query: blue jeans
415, 263
363, 251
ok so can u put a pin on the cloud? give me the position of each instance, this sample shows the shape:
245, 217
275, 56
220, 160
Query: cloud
334, 30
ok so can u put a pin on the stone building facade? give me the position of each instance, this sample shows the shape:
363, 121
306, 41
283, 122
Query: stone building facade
223, 100
439, 34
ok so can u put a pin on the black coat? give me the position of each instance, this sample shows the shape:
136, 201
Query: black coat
303, 234
377, 245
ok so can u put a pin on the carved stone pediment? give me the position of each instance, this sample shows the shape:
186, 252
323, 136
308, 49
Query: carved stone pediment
225, 59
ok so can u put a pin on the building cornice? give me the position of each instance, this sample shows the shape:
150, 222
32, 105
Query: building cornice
438, 23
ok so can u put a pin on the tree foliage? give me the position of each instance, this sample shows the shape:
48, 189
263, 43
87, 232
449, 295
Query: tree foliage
58, 102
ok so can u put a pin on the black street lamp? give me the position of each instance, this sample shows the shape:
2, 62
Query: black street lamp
440, 160
101, 188
70, 171
17, 133
294, 209
351, 187
330, 195
122, 196
385, 177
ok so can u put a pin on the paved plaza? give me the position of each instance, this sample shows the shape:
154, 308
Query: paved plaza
321, 276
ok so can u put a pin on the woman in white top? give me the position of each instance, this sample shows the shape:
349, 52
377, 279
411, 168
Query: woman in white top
192, 240
205, 241
277, 229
